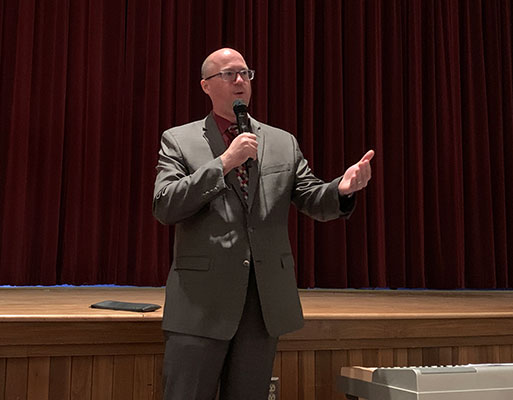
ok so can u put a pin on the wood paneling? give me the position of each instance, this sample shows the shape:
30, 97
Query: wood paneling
289, 375
80, 349
123, 373
118, 356
143, 377
60, 378
38, 378
102, 374
304, 375
157, 377
323, 379
2, 378
81, 377
16, 377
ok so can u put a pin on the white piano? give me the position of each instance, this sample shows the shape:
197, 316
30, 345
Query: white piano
462, 382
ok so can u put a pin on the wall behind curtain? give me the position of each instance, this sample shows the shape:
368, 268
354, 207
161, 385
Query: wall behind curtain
87, 87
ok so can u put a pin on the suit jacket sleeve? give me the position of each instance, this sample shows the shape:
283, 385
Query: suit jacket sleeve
314, 197
179, 193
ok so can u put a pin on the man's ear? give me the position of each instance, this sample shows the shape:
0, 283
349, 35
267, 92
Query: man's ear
205, 86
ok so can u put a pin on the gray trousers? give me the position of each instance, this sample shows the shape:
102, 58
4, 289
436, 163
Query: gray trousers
196, 367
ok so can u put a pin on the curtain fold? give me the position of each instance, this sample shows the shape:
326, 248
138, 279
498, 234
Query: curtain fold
86, 89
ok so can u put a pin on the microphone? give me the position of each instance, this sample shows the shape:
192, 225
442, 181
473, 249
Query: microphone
241, 113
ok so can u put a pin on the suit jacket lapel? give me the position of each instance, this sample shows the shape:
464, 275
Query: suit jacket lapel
255, 165
213, 136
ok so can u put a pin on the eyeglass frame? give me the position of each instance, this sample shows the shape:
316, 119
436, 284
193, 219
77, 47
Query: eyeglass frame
251, 72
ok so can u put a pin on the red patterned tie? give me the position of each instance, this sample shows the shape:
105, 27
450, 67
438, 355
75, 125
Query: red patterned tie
242, 171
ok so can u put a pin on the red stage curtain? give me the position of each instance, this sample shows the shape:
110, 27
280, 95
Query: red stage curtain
87, 87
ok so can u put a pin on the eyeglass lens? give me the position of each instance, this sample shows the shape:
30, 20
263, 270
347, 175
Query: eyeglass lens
245, 74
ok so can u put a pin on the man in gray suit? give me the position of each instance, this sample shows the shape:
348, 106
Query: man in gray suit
231, 290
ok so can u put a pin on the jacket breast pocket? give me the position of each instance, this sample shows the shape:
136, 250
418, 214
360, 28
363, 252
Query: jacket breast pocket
193, 263
275, 169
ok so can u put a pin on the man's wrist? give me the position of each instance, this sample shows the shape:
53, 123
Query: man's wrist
225, 160
345, 194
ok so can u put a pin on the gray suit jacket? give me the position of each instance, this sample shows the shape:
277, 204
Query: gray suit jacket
217, 232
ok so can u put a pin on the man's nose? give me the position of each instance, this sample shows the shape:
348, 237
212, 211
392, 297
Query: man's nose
238, 77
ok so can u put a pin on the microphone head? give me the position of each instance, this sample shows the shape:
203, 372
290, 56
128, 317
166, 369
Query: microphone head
239, 106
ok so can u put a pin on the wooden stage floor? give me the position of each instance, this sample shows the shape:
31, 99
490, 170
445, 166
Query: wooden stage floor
51, 335
72, 303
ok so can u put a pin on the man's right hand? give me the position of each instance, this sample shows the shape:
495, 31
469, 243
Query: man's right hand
244, 146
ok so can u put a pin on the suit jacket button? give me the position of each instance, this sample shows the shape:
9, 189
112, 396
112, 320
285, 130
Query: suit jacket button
246, 263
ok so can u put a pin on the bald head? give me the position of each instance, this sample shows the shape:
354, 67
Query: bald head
215, 60
224, 92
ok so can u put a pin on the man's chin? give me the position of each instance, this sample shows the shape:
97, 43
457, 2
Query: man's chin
243, 97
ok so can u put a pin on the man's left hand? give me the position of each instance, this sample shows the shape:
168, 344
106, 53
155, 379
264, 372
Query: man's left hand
357, 176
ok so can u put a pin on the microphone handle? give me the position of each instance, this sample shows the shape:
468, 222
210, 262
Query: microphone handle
243, 125
242, 122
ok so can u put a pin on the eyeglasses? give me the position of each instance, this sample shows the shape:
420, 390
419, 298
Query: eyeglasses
231, 76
